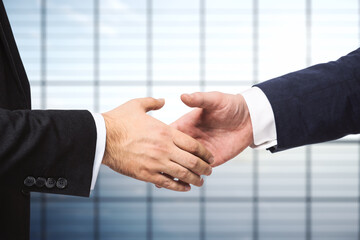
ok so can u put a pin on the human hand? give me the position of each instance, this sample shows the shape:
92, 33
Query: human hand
144, 148
221, 122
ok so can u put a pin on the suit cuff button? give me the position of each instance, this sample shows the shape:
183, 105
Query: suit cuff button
29, 181
40, 182
50, 183
61, 183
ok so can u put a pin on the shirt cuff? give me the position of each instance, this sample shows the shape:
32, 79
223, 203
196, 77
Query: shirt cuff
100, 146
262, 118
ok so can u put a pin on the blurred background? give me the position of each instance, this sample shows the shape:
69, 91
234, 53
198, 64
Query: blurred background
96, 55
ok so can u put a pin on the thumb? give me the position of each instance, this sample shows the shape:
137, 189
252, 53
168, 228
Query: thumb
150, 103
207, 100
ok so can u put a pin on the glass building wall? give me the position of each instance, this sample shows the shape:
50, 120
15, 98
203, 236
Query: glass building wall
96, 55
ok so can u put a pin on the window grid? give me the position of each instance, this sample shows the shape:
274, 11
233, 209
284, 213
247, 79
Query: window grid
43, 62
255, 200
149, 84
96, 50
203, 200
308, 214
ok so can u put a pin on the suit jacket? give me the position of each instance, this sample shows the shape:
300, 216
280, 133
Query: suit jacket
42, 151
316, 104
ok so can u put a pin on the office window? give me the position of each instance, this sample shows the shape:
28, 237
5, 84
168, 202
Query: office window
97, 55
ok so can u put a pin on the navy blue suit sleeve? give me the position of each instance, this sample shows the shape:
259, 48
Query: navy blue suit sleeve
316, 104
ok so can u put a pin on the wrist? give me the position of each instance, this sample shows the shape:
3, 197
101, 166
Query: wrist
248, 126
246, 123
262, 118
107, 159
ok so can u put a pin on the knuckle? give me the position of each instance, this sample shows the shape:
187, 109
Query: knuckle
161, 140
144, 173
200, 182
190, 147
183, 173
196, 148
160, 152
209, 171
164, 131
144, 170
180, 188
166, 183
155, 152
193, 162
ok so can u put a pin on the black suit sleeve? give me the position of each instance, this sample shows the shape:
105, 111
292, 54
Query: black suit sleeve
316, 104
48, 144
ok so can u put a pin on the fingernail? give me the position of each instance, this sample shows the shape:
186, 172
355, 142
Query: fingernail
187, 188
211, 160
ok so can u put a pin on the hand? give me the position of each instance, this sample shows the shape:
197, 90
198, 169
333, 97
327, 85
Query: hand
139, 146
221, 123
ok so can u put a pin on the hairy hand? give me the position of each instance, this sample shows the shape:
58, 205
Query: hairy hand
142, 147
221, 122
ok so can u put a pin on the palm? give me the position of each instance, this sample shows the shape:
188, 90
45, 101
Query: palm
219, 126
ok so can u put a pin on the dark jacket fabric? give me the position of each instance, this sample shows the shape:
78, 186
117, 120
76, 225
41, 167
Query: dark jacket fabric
316, 104
36, 144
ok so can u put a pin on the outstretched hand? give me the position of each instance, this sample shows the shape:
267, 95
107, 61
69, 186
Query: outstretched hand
221, 122
142, 147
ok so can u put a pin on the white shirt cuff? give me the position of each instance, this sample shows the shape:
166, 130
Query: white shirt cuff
262, 118
100, 146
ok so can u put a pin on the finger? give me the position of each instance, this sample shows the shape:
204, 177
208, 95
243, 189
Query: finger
149, 103
191, 162
189, 144
166, 176
168, 183
208, 100
183, 174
